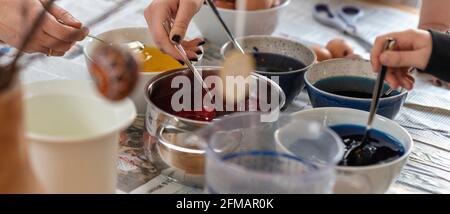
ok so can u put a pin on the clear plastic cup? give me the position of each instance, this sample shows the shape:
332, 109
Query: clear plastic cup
247, 156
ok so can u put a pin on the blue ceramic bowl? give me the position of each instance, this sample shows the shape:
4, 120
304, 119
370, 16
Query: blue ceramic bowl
346, 70
292, 82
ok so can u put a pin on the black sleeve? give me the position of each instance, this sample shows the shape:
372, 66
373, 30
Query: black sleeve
439, 64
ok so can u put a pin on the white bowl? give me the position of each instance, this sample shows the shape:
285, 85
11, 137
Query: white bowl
380, 176
73, 135
258, 22
124, 35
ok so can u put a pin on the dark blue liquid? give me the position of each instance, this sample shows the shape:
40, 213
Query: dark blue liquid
387, 147
351, 86
276, 63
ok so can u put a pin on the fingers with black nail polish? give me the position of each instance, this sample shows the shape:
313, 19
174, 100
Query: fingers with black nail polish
176, 38
201, 43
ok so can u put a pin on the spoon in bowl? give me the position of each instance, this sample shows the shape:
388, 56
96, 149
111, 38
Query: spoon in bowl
363, 151
135, 46
225, 27
168, 28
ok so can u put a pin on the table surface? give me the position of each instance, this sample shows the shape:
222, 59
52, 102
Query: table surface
428, 168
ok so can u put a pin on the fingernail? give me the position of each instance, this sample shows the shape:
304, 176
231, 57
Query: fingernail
74, 19
176, 38
181, 62
199, 52
201, 43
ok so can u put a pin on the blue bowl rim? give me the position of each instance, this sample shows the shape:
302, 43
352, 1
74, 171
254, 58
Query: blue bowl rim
402, 93
306, 68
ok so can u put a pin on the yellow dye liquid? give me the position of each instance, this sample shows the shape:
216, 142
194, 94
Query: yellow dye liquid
156, 61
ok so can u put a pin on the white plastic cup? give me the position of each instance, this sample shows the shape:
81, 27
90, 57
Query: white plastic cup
73, 136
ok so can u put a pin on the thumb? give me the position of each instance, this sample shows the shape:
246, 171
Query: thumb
186, 10
400, 59
64, 17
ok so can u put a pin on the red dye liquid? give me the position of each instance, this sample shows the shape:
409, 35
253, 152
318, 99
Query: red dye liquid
206, 114
162, 97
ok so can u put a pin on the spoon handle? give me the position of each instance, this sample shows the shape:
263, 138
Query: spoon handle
98, 39
168, 27
379, 85
224, 25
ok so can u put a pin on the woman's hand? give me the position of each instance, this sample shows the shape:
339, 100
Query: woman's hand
413, 49
53, 37
182, 12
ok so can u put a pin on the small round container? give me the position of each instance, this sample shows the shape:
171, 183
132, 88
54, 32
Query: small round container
349, 68
73, 135
211, 29
125, 35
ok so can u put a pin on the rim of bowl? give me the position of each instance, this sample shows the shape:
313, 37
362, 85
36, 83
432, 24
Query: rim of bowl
306, 68
376, 166
126, 103
307, 82
88, 56
283, 5
162, 75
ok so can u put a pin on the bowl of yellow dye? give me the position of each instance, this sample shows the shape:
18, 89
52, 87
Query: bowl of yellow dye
154, 61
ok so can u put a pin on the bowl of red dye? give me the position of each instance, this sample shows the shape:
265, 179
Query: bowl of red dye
176, 108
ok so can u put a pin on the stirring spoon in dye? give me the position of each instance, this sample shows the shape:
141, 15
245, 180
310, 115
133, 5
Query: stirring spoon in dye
168, 28
224, 25
364, 150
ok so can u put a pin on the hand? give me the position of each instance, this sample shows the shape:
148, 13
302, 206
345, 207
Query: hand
53, 36
180, 10
413, 49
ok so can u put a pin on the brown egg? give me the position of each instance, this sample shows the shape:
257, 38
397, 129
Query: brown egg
225, 4
115, 72
256, 4
321, 53
339, 48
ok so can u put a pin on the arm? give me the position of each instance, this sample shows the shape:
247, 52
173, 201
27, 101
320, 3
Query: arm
435, 15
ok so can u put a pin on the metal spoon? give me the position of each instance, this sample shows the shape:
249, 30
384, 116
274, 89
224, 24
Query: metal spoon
364, 145
389, 92
168, 28
136, 46
224, 25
